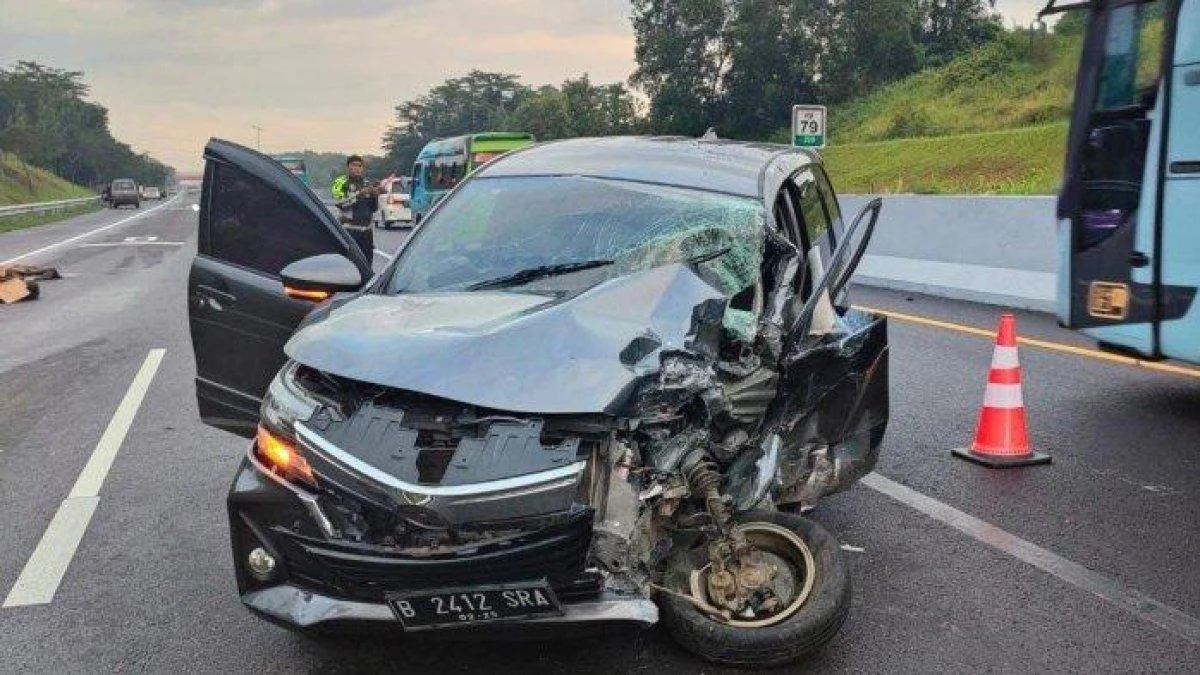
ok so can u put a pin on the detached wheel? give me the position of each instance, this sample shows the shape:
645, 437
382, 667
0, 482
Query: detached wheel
806, 586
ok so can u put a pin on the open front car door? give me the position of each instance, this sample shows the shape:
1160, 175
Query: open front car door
255, 219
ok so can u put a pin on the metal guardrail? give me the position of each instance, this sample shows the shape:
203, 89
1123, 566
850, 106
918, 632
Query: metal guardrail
43, 207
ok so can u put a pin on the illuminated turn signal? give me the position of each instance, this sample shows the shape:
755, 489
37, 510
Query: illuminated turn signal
301, 294
280, 454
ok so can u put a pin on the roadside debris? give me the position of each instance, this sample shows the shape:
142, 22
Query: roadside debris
20, 282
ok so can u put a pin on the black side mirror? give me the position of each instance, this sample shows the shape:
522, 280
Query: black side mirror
320, 276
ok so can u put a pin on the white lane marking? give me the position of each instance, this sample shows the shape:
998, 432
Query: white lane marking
45, 569
1139, 604
94, 473
103, 244
385, 255
84, 235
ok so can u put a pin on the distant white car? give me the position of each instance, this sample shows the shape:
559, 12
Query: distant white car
394, 206
151, 192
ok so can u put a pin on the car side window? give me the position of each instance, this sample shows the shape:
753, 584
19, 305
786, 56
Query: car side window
255, 226
833, 209
814, 220
788, 219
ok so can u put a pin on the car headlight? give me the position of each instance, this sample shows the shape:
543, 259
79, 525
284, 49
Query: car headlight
278, 454
285, 403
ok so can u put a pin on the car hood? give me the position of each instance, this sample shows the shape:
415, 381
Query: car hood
515, 351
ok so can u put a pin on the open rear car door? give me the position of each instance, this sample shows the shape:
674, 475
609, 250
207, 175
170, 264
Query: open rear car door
256, 217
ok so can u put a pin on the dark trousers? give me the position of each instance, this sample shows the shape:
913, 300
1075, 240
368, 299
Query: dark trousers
364, 236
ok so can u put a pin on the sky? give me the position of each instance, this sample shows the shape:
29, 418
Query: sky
316, 74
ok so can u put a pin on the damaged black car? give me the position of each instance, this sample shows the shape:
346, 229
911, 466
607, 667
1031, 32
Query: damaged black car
598, 385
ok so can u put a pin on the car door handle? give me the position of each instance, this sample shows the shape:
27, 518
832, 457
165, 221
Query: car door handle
1186, 166
212, 298
1138, 259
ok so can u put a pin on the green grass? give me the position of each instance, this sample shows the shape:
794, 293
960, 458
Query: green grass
992, 121
1017, 81
1013, 162
21, 183
13, 223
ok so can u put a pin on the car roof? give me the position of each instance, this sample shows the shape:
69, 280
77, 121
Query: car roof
733, 167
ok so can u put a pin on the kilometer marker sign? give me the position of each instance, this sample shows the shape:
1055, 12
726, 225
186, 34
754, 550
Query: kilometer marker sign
808, 126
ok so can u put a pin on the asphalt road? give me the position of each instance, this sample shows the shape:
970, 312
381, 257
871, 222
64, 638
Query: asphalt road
150, 586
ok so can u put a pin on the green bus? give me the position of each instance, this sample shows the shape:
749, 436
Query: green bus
444, 162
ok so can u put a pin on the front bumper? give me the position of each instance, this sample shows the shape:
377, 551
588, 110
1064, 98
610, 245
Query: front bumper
323, 579
305, 609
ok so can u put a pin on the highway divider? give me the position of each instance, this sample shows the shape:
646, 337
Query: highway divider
992, 249
44, 207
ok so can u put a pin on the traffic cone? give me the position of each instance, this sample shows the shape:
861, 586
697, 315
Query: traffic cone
1002, 439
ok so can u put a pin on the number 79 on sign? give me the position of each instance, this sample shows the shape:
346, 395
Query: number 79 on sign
808, 126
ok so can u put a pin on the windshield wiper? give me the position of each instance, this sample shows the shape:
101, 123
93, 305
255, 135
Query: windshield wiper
539, 272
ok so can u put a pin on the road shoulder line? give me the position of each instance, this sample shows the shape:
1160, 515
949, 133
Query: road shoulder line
84, 235
1039, 344
1139, 604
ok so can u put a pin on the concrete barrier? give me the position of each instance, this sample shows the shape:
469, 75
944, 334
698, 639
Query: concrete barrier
996, 250
42, 207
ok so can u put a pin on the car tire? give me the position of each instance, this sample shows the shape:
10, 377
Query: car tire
812, 625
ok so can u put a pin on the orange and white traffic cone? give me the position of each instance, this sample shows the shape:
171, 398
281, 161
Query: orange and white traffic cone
1002, 439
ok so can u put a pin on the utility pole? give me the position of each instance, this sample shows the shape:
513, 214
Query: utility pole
257, 136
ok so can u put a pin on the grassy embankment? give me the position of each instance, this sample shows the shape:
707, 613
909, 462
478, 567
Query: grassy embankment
992, 121
21, 183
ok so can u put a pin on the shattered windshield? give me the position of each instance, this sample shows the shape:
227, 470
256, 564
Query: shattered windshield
563, 234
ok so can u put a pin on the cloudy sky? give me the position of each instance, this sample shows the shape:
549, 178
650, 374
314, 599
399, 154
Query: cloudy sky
320, 74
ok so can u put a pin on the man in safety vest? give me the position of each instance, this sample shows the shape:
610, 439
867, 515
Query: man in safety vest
357, 201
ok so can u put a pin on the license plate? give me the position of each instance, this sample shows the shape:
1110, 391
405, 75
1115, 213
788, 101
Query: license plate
477, 604
1108, 300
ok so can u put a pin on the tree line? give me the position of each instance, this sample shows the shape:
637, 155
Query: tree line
46, 120
734, 65
485, 101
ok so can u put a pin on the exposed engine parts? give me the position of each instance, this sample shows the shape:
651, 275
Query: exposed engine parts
730, 427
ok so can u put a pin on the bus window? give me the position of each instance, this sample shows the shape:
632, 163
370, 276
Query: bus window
1119, 72
445, 172
1132, 58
